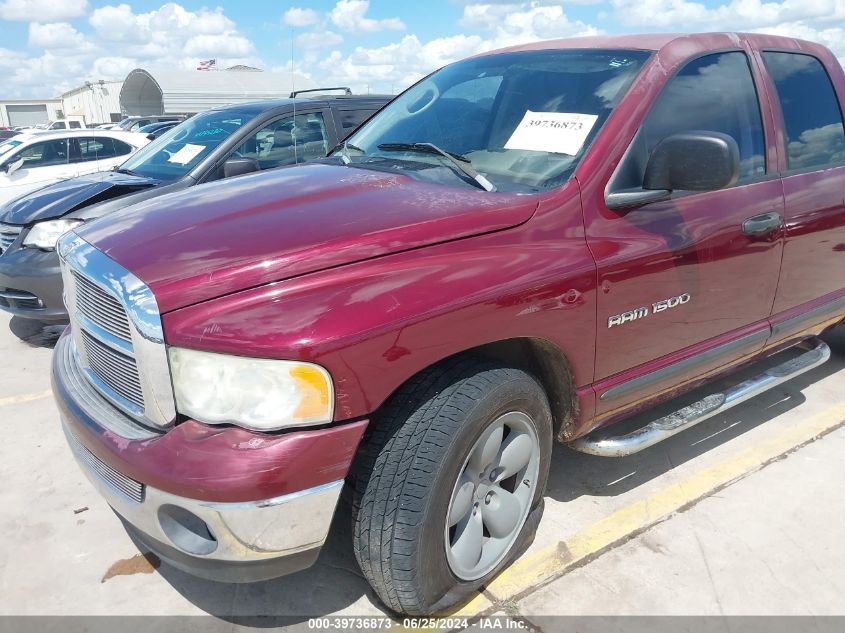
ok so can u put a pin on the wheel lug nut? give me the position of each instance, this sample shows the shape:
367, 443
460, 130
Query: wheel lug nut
488, 498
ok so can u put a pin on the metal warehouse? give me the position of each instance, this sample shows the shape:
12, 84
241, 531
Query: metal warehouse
147, 92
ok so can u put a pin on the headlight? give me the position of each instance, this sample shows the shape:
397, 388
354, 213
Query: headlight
46, 234
255, 393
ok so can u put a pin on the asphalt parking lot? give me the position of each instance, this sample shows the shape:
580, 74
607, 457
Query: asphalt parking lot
741, 515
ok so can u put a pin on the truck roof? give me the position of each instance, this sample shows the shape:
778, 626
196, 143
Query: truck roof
319, 100
691, 42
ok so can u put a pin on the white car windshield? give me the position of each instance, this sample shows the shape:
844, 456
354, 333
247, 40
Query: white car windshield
523, 119
8, 146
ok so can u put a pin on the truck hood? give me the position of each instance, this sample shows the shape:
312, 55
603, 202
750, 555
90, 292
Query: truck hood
216, 239
66, 196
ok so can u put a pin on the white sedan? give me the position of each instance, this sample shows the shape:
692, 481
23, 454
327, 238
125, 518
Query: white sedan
33, 160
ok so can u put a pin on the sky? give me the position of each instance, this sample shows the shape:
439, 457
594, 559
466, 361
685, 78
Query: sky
50, 46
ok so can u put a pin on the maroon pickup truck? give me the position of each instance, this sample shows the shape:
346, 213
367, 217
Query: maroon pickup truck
525, 247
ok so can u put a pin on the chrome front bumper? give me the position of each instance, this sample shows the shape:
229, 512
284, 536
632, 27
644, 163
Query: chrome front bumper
230, 542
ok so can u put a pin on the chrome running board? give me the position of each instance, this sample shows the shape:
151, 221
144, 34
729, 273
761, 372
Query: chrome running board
599, 443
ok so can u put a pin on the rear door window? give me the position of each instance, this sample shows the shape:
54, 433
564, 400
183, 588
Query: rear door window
121, 148
812, 119
351, 119
93, 148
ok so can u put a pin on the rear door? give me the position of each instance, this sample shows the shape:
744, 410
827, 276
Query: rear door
86, 153
812, 282
98, 153
680, 277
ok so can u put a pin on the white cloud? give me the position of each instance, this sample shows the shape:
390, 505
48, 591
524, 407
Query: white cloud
397, 65
42, 10
519, 24
57, 36
317, 39
10, 58
169, 36
60, 72
815, 20
394, 66
112, 67
172, 35
117, 24
224, 44
732, 15
833, 38
350, 15
300, 17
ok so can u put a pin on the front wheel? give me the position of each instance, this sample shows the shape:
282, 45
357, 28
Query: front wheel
447, 488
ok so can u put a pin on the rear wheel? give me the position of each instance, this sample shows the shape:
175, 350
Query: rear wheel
447, 488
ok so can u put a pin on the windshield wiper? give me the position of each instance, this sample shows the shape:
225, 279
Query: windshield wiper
123, 170
462, 163
345, 147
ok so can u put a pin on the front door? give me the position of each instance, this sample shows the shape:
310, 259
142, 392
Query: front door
681, 276
44, 162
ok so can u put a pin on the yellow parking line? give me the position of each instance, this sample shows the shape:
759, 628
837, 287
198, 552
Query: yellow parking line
550, 562
26, 397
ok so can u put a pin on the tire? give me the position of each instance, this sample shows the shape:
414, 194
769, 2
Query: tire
405, 483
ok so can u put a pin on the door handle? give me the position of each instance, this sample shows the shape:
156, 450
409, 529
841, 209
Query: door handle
762, 225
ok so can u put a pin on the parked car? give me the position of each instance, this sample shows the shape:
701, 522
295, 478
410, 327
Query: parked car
7, 134
134, 123
33, 160
215, 144
154, 130
526, 246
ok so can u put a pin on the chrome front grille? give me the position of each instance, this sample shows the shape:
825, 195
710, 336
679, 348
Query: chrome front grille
8, 235
117, 370
133, 490
101, 308
117, 334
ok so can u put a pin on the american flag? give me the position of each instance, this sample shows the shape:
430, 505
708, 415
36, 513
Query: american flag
207, 64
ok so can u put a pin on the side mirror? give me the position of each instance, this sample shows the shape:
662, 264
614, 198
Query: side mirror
15, 165
237, 166
693, 161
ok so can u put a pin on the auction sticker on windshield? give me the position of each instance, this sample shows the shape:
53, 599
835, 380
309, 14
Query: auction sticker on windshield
556, 132
186, 154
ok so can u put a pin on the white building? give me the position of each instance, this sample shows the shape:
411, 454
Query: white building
16, 112
96, 101
148, 92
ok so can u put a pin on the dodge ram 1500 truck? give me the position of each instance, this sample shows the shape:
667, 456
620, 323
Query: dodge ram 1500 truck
526, 246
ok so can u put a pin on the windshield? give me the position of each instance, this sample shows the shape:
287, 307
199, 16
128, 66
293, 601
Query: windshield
180, 149
522, 119
9, 145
